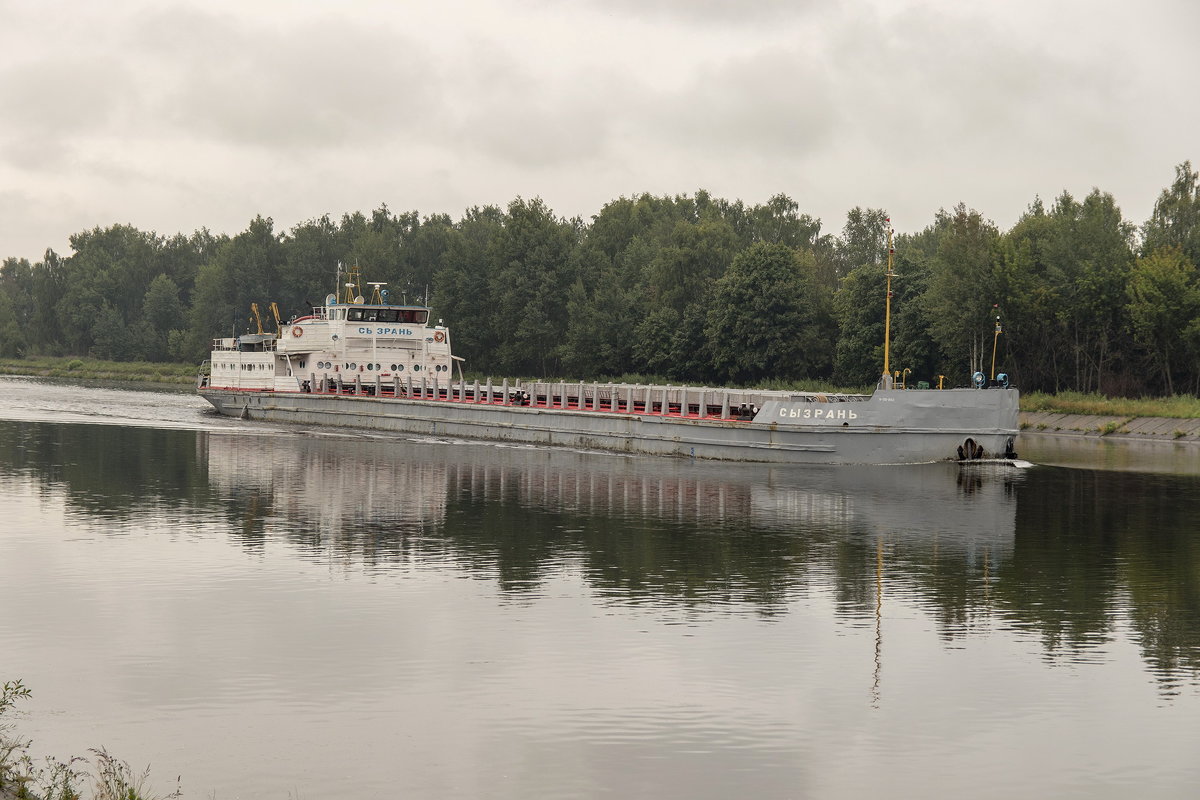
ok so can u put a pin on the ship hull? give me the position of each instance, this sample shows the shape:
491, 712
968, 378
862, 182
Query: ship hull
892, 427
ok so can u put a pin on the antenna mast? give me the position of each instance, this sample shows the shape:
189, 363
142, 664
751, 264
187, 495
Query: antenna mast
886, 381
353, 282
996, 339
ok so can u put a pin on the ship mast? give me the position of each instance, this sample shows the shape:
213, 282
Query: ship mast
885, 381
353, 283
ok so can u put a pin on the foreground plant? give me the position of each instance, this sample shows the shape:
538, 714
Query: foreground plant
116, 780
20, 778
14, 759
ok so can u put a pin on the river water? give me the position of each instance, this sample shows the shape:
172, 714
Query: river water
279, 612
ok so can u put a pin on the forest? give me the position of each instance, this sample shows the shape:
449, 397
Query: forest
683, 288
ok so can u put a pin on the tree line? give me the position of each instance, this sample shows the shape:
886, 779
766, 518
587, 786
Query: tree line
685, 288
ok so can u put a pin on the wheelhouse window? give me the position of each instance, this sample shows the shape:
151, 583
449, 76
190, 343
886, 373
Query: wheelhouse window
412, 316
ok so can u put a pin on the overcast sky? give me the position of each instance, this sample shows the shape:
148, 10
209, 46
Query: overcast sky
172, 116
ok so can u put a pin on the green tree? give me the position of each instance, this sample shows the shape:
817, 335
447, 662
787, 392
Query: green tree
859, 309
12, 338
462, 294
961, 295
1090, 256
111, 337
1175, 221
161, 306
864, 239
244, 269
698, 253
162, 313
44, 331
311, 253
769, 318
1034, 326
118, 262
600, 323
528, 285
1164, 309
653, 353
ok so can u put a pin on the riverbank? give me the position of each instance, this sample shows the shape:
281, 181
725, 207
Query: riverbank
1112, 427
96, 369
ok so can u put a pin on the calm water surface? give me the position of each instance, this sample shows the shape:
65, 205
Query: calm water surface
274, 611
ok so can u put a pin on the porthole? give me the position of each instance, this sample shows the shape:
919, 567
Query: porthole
371, 367
399, 368
352, 365
393, 367
416, 367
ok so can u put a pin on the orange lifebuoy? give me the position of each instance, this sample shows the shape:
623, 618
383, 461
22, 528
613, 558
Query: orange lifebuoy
297, 331
439, 337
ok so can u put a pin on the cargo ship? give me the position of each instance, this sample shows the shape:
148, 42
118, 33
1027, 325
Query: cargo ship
368, 363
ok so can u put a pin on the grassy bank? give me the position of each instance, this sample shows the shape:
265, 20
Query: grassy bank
95, 369
1178, 407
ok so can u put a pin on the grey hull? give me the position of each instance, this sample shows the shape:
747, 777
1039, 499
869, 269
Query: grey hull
892, 427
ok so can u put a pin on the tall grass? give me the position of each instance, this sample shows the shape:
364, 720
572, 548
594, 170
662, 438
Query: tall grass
1177, 407
96, 369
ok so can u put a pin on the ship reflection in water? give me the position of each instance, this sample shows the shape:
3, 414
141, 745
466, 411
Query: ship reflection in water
701, 537
693, 530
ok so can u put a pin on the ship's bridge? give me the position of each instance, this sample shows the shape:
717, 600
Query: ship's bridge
339, 340
402, 315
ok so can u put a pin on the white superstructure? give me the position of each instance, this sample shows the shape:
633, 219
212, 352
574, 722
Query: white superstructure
338, 343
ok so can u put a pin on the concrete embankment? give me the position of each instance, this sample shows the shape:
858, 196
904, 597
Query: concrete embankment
1135, 444
1142, 429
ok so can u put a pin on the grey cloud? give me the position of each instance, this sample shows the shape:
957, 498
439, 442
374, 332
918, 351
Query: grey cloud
49, 104
315, 85
532, 117
710, 12
775, 103
932, 80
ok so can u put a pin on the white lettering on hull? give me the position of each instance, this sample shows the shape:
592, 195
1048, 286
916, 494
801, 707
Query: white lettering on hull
385, 331
825, 414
